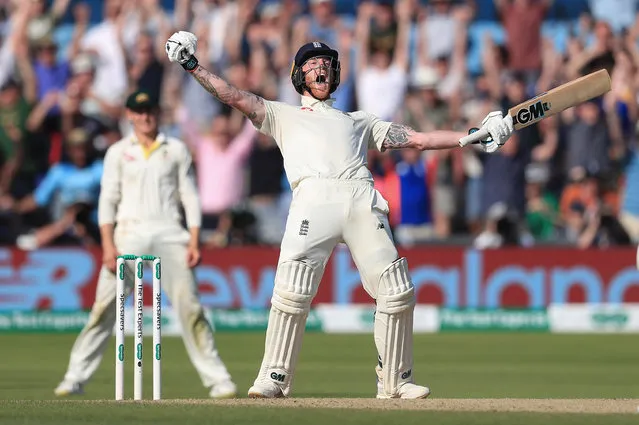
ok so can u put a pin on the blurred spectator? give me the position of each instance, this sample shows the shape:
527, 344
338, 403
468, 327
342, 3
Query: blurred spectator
448, 175
450, 65
581, 189
383, 27
51, 75
266, 175
382, 73
145, 17
619, 14
430, 66
425, 110
145, 70
216, 18
589, 221
322, 24
542, 207
522, 21
423, 107
78, 109
70, 192
42, 22
14, 112
220, 156
587, 139
443, 27
472, 191
382, 166
583, 59
503, 189
104, 41
503, 228
414, 207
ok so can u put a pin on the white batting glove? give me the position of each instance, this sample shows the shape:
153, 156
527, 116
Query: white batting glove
181, 47
499, 128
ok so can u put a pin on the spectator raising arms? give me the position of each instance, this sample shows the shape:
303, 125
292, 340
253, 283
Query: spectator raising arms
435, 64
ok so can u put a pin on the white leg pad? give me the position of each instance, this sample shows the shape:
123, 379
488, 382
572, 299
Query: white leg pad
295, 287
394, 326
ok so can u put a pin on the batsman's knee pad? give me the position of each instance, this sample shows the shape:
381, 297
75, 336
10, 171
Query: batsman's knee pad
394, 326
395, 292
295, 287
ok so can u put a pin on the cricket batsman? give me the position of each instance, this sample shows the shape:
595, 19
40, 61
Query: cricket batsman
324, 151
147, 175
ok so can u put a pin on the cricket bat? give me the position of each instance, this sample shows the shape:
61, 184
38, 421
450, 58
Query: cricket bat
551, 102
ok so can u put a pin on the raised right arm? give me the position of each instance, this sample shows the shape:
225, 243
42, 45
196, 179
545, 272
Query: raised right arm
181, 47
248, 103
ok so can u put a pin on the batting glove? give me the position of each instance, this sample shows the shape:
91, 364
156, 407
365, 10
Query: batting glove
181, 47
499, 128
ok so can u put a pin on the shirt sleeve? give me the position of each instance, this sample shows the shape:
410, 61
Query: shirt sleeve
377, 132
188, 189
110, 189
271, 126
44, 192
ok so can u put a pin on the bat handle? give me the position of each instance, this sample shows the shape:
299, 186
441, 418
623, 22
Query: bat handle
474, 137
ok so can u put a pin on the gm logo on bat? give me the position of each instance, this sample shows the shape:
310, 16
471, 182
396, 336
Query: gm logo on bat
533, 112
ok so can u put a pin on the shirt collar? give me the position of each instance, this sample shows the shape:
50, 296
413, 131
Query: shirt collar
311, 101
161, 138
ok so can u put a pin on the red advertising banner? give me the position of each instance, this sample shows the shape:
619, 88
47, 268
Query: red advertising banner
65, 278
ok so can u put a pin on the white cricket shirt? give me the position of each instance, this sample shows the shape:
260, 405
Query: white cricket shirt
148, 185
317, 140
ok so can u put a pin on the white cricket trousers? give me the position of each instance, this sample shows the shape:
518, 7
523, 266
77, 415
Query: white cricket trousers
322, 214
168, 241
326, 212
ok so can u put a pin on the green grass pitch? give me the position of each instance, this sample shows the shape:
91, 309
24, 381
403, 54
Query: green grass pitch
456, 366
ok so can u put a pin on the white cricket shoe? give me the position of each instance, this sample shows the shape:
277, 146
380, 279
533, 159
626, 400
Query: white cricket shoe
226, 389
407, 390
265, 390
66, 389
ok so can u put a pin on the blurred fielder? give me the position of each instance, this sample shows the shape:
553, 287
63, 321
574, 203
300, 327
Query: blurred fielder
324, 152
146, 177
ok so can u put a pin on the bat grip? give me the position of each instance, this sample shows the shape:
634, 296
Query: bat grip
475, 137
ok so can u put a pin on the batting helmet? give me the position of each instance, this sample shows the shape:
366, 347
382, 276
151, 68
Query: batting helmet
313, 50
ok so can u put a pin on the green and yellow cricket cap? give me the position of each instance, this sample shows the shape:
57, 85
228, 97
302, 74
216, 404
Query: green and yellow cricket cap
141, 100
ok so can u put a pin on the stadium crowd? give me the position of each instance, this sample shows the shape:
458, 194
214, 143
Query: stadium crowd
66, 68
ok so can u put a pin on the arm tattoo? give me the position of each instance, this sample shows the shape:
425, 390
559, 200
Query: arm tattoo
247, 103
397, 137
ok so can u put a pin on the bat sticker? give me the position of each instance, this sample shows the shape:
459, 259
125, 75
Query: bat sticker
533, 112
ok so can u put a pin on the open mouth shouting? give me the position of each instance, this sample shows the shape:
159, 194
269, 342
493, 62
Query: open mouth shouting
321, 79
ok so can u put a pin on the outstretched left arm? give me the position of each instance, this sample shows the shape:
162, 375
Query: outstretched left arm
401, 136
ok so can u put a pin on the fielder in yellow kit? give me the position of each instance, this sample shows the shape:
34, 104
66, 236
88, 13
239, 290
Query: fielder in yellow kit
324, 152
146, 177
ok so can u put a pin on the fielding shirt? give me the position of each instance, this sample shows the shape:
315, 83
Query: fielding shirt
317, 140
148, 185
